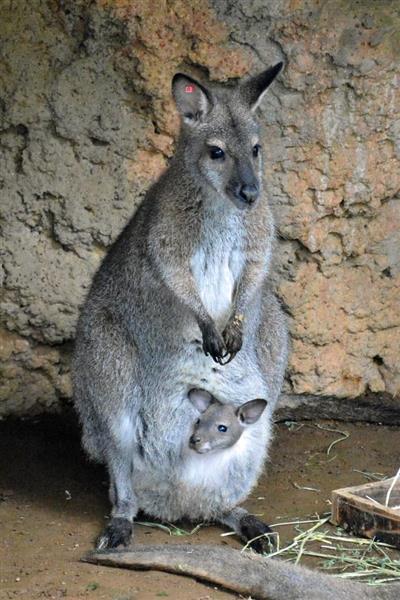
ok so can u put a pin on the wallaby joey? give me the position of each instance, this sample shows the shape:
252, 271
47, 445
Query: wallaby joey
220, 425
184, 295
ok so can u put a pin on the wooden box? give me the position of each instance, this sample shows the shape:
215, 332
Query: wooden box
361, 510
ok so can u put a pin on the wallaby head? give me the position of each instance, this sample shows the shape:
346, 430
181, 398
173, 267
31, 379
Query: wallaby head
220, 141
220, 425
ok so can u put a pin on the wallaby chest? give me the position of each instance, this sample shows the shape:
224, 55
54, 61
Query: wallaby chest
217, 263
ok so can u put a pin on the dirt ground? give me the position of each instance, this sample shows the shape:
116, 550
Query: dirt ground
53, 504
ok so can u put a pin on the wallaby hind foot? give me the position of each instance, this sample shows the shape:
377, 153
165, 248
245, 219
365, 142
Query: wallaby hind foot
117, 533
260, 535
250, 529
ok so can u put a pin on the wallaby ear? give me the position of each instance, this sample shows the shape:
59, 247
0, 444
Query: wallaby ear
192, 99
252, 91
200, 399
251, 411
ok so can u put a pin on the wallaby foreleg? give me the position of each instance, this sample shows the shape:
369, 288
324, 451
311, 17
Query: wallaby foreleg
124, 505
176, 274
251, 280
249, 529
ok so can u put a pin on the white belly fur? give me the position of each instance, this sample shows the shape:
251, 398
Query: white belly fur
216, 271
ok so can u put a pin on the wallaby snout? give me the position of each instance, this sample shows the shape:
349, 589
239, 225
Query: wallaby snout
245, 180
197, 444
249, 193
245, 191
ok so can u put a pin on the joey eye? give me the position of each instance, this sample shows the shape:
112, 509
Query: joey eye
256, 150
222, 428
197, 422
216, 153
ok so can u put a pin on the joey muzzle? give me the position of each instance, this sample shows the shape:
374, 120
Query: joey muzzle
196, 444
194, 440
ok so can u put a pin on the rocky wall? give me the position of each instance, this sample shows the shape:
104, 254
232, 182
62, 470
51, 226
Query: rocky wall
87, 123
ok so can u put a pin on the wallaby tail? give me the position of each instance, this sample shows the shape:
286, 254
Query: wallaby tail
246, 574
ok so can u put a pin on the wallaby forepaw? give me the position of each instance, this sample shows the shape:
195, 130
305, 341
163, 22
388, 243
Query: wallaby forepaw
261, 537
233, 337
117, 533
213, 343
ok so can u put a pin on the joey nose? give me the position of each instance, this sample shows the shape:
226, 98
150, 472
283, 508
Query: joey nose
194, 440
248, 193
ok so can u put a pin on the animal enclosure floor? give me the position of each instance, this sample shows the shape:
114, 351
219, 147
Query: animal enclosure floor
53, 504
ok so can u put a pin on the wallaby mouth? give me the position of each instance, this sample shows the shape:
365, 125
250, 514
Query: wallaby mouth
243, 204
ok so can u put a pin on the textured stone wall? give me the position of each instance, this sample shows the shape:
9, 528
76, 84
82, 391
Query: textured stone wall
86, 123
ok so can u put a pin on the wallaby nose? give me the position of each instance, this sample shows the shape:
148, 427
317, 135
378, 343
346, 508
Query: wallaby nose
194, 440
249, 193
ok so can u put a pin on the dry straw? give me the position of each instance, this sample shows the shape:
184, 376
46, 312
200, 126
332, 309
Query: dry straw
346, 556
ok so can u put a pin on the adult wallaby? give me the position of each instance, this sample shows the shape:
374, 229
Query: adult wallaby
182, 291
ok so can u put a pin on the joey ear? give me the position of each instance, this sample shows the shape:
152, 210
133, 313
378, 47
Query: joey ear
200, 399
251, 411
192, 99
252, 91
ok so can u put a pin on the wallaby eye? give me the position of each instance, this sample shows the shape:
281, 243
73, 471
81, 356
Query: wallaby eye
222, 428
256, 150
197, 422
216, 153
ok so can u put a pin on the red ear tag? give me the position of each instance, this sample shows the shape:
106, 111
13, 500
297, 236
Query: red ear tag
189, 89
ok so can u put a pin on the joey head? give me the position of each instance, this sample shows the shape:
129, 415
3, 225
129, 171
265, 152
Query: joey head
220, 425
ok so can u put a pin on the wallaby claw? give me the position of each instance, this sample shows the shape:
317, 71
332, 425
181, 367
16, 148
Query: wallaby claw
218, 359
231, 357
233, 337
117, 533
213, 343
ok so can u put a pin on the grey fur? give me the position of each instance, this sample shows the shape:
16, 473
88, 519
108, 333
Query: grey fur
183, 290
244, 573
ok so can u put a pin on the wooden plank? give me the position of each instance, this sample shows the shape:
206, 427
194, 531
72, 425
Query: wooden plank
360, 510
